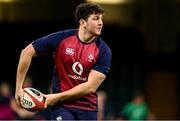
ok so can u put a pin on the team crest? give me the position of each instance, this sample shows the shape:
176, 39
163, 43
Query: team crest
90, 58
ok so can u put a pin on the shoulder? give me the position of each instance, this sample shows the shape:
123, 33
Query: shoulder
102, 45
64, 32
101, 42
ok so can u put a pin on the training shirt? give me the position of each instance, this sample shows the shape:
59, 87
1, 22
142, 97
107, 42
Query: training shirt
73, 61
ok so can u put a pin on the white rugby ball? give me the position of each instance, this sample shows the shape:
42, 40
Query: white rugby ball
33, 99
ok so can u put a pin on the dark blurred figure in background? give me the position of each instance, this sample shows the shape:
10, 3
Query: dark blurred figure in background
6, 113
102, 96
137, 109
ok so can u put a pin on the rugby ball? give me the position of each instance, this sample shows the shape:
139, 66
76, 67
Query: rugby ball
33, 99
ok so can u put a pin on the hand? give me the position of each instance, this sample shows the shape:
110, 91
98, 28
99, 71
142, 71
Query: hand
51, 100
19, 96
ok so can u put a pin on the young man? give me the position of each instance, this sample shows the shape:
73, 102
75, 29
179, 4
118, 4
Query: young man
82, 61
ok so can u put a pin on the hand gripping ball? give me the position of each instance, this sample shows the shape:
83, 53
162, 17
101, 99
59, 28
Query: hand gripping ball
33, 99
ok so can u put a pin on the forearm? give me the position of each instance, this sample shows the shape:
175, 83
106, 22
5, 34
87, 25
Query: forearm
83, 89
23, 66
94, 81
76, 92
22, 69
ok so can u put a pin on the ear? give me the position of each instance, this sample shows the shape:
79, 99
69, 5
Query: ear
82, 21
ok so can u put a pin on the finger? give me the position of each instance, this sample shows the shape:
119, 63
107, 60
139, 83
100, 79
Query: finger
21, 99
17, 101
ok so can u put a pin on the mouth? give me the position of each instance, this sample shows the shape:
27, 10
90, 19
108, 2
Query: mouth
99, 29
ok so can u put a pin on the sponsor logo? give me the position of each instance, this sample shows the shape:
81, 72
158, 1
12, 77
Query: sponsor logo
59, 118
70, 51
77, 68
77, 77
27, 103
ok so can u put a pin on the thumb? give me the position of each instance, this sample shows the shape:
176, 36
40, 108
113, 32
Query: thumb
21, 99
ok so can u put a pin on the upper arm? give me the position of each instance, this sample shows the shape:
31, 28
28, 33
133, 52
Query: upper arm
29, 50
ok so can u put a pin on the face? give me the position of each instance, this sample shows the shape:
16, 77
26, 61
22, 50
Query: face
94, 24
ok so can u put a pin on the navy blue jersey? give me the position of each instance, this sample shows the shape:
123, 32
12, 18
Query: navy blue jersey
73, 61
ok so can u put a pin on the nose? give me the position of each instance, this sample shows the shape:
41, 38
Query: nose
100, 22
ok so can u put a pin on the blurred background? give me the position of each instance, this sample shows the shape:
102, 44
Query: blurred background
143, 35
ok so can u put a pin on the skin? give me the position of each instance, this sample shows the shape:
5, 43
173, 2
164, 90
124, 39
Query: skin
88, 30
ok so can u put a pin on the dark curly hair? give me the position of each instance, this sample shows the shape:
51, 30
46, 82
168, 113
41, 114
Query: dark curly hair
84, 10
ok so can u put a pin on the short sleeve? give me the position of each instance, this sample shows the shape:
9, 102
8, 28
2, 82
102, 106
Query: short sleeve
104, 60
48, 44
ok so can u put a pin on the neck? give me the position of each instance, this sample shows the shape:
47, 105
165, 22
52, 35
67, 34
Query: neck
85, 36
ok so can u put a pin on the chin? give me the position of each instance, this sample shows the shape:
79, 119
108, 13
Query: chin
98, 33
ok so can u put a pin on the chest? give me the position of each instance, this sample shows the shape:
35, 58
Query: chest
72, 51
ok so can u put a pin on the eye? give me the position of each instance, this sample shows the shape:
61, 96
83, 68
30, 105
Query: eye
96, 17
